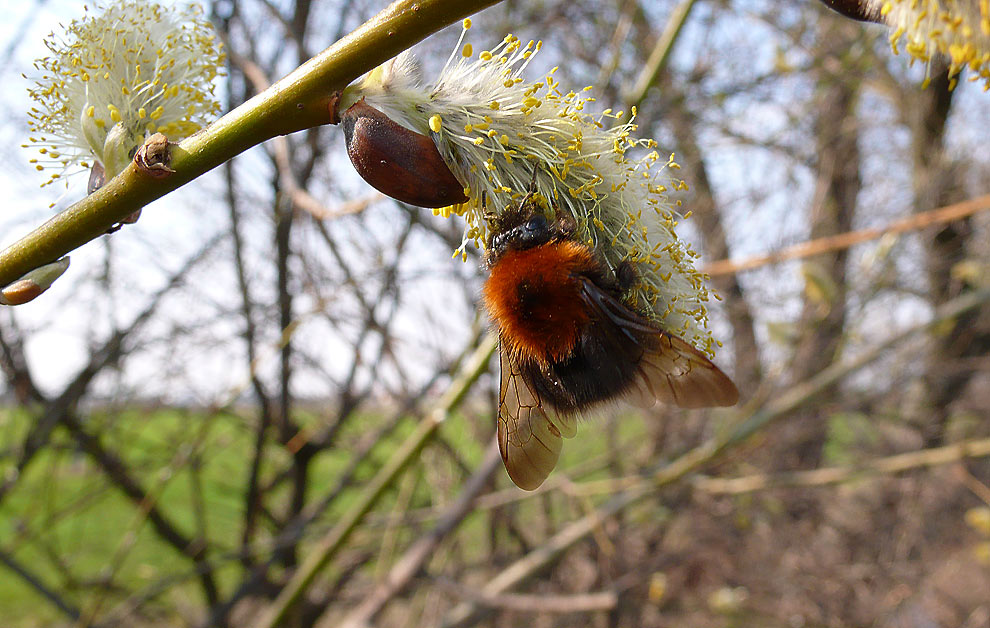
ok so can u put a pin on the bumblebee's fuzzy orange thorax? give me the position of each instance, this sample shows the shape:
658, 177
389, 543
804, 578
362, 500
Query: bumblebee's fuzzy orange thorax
533, 295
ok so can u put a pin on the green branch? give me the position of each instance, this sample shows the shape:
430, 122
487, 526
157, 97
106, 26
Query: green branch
660, 55
299, 101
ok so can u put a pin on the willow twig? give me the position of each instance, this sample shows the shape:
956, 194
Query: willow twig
421, 550
536, 603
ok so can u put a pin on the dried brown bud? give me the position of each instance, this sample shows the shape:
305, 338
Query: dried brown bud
333, 107
153, 157
397, 161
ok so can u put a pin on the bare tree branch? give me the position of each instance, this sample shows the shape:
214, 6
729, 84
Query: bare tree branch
915, 222
70, 610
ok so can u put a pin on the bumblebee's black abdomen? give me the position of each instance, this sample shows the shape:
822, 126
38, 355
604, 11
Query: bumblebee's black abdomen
601, 367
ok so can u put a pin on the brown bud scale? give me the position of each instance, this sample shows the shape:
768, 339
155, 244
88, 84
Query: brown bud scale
397, 161
855, 9
21, 291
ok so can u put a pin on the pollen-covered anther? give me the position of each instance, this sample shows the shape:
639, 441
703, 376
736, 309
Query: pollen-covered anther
958, 29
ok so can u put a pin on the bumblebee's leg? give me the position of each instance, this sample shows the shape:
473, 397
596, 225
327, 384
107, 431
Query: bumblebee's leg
565, 224
625, 276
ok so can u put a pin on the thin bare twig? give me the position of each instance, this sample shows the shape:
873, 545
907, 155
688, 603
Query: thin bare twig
35, 583
835, 475
661, 53
535, 603
914, 222
108, 354
294, 530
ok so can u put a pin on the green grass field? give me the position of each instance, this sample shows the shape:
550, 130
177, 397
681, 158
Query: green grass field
85, 539
64, 516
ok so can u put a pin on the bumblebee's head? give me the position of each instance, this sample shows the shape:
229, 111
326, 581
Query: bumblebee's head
533, 231
525, 226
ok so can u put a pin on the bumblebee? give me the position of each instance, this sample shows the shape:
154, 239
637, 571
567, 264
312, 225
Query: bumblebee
569, 341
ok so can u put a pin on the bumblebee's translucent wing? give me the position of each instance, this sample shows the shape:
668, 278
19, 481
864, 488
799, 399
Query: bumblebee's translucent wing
668, 369
566, 424
528, 439
673, 371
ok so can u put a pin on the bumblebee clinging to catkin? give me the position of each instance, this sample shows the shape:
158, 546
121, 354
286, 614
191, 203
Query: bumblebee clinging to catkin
570, 341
